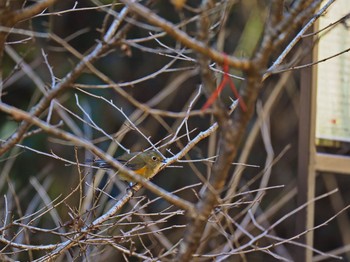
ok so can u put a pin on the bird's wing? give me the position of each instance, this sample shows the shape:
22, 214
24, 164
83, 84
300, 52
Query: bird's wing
133, 164
128, 160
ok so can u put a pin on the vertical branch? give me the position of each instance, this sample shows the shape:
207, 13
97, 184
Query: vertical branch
276, 13
230, 133
207, 75
4, 8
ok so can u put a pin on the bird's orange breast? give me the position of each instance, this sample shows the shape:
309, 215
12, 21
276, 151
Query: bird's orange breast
142, 171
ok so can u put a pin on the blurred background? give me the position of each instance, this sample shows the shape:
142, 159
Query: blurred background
25, 169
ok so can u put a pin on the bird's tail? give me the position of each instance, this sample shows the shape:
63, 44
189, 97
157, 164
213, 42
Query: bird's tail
98, 163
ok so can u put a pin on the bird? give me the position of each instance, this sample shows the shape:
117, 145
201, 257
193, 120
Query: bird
145, 164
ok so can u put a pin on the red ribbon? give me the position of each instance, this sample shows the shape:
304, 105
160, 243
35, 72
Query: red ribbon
226, 78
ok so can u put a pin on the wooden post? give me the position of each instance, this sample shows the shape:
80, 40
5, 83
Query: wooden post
306, 157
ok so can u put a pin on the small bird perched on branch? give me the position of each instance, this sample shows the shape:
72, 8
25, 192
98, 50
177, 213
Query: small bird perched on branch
145, 164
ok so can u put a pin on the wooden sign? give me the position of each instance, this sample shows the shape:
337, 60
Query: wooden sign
333, 75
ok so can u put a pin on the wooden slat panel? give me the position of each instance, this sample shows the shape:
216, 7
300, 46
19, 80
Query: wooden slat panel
332, 163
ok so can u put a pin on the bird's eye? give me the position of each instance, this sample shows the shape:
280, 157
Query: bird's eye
154, 158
